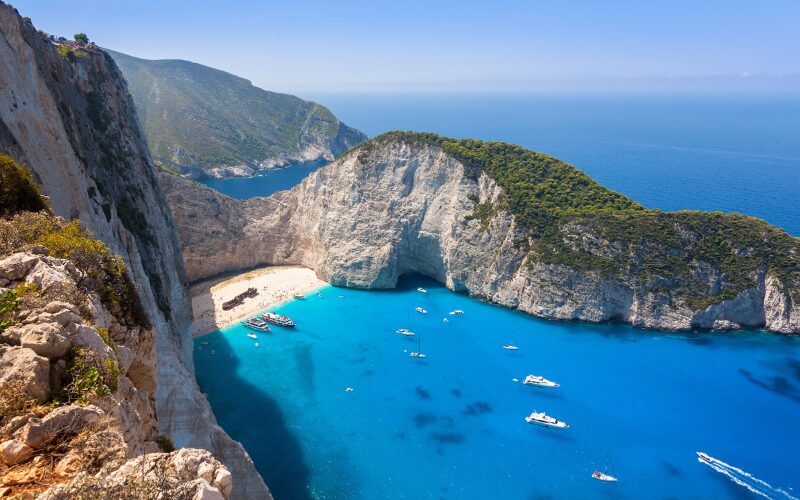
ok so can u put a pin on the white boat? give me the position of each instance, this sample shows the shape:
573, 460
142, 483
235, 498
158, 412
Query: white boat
457, 311
421, 310
605, 476
277, 319
545, 420
420, 289
405, 331
256, 324
256, 344
348, 389
511, 347
705, 458
252, 335
445, 320
299, 296
537, 381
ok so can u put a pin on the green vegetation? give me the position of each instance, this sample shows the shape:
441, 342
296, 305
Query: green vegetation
81, 38
165, 443
18, 191
204, 117
558, 206
8, 304
90, 377
106, 272
71, 54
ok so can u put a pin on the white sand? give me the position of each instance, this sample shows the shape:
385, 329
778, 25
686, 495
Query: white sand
275, 285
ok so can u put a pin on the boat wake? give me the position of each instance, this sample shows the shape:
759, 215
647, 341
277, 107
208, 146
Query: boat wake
753, 484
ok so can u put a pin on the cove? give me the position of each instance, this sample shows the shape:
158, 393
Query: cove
452, 425
266, 182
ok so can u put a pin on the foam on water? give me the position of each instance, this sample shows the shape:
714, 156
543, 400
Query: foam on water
452, 425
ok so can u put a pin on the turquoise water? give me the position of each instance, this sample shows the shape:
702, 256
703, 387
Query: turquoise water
451, 425
266, 182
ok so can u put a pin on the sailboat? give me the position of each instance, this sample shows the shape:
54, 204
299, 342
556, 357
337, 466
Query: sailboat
512, 346
605, 476
418, 353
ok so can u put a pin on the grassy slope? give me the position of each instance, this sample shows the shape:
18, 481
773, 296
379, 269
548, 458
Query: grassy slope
698, 257
196, 115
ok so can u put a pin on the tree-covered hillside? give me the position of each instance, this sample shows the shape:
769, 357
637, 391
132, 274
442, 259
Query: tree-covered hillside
196, 116
569, 219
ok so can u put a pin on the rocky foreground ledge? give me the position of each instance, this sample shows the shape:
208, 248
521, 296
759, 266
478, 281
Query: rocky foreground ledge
507, 225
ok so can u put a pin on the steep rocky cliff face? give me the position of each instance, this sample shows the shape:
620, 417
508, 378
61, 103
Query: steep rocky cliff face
398, 205
204, 122
66, 113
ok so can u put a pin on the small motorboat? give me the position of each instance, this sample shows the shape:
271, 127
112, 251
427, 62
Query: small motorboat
418, 355
457, 311
511, 347
605, 476
277, 319
420, 289
348, 389
252, 335
421, 310
545, 420
256, 324
705, 458
537, 381
256, 344
405, 331
299, 296
445, 320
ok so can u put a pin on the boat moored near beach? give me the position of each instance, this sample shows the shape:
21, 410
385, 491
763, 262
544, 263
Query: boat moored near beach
299, 296
456, 312
277, 319
405, 331
421, 310
256, 324
510, 347
420, 289
538, 381
545, 420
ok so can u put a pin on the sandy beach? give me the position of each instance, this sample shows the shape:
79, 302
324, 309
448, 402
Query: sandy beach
275, 284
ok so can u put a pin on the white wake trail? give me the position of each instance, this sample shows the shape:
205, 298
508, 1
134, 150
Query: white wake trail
747, 480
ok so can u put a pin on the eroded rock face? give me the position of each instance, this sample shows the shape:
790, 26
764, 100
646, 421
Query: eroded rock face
363, 222
23, 365
73, 123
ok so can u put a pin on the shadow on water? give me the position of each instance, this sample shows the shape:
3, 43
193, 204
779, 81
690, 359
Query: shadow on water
776, 384
255, 419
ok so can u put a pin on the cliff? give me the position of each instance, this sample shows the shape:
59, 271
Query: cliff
503, 224
203, 122
66, 113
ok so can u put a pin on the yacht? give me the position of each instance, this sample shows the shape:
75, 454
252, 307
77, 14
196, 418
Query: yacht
545, 420
252, 335
537, 381
421, 310
420, 289
511, 347
256, 324
405, 331
605, 476
457, 311
418, 353
277, 319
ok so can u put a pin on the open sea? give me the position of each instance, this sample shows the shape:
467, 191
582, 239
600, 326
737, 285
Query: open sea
452, 425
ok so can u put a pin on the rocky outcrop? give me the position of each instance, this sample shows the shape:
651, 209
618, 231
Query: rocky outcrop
395, 208
66, 113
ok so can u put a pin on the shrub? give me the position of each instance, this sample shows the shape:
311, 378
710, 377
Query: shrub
15, 402
165, 443
18, 191
81, 38
8, 304
90, 377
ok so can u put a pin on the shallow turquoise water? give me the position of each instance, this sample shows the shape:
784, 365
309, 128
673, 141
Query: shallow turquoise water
451, 426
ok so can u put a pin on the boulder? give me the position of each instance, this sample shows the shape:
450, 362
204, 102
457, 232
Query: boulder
45, 339
24, 365
17, 266
12, 452
61, 421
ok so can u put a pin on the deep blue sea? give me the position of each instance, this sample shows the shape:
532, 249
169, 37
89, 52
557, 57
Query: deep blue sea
266, 182
452, 425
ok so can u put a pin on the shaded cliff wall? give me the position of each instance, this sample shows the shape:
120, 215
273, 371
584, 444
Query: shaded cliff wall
70, 118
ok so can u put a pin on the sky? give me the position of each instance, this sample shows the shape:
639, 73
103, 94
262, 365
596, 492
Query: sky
303, 46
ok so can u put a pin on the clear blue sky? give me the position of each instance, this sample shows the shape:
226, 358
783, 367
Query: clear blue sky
345, 45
